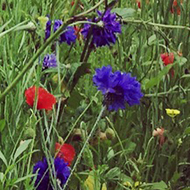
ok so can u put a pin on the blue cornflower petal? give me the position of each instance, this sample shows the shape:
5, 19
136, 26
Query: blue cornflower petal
106, 33
57, 24
48, 29
68, 36
50, 61
62, 172
118, 88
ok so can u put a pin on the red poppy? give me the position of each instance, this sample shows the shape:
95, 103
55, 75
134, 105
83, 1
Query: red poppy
45, 100
65, 151
168, 59
176, 7
138, 3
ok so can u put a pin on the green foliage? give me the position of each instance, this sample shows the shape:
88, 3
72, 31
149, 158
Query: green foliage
122, 152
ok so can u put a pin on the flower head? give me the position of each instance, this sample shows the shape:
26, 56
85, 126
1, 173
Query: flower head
67, 36
160, 133
172, 112
118, 88
50, 61
42, 182
176, 7
48, 29
43, 21
105, 33
66, 152
168, 59
45, 100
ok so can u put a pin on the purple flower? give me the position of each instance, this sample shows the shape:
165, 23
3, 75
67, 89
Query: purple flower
57, 24
62, 172
50, 61
118, 88
48, 29
67, 36
105, 33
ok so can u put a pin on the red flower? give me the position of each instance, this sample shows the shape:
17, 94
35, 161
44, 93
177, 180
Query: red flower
65, 151
138, 3
168, 59
45, 100
176, 7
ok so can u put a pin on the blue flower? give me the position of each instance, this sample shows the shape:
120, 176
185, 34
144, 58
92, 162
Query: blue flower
42, 182
118, 88
105, 33
67, 36
50, 61
48, 29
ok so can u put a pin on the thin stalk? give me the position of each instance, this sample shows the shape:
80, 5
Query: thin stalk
125, 21
84, 146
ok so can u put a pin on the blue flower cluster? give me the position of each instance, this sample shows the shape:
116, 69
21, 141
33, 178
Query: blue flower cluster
62, 172
118, 88
50, 61
105, 33
67, 36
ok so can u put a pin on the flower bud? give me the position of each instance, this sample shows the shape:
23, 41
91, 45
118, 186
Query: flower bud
29, 133
110, 134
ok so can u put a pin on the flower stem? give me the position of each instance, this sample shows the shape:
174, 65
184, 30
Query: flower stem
84, 146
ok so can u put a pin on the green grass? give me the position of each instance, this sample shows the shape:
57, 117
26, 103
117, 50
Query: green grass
134, 155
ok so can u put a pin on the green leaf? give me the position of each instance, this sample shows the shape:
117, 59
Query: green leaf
1, 176
187, 131
151, 39
157, 186
2, 157
21, 148
124, 12
2, 124
156, 80
113, 173
74, 100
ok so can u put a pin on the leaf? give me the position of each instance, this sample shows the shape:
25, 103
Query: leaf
113, 173
24, 178
124, 12
157, 186
21, 148
2, 157
156, 80
1, 176
74, 100
2, 124
187, 131
151, 39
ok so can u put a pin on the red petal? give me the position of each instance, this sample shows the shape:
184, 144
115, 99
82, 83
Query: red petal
66, 152
167, 58
45, 99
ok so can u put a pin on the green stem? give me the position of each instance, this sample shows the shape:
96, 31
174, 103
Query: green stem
156, 24
84, 146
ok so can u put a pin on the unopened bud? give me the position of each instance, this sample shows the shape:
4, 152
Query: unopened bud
110, 133
29, 133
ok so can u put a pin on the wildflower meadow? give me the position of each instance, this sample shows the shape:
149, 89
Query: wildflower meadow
94, 95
